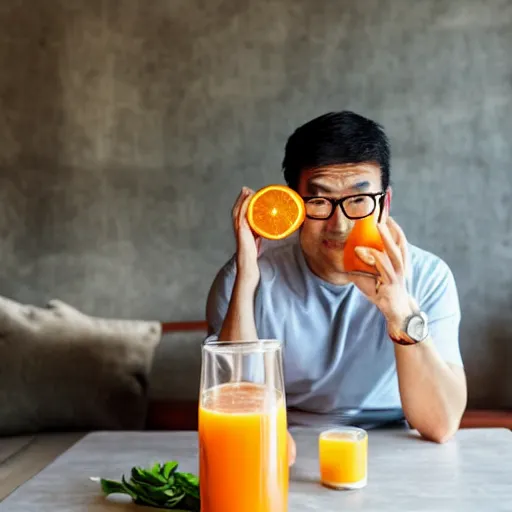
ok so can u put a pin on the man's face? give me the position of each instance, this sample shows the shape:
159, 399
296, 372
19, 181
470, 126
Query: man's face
323, 241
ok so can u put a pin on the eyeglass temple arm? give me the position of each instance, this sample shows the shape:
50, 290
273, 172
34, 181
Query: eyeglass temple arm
382, 203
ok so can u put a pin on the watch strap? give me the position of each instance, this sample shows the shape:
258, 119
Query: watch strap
400, 341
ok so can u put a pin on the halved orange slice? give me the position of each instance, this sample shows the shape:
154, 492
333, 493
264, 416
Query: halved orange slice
275, 212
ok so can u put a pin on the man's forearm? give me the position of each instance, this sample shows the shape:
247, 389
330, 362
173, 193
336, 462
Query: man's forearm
433, 394
239, 324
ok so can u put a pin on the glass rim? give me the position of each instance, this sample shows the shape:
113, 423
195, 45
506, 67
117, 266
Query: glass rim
360, 433
259, 346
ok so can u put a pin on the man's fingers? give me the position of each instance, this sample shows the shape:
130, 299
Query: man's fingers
292, 450
365, 284
236, 206
400, 240
384, 266
396, 231
365, 254
235, 213
391, 247
243, 207
379, 260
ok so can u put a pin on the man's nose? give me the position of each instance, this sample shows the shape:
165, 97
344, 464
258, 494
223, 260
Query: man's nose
338, 221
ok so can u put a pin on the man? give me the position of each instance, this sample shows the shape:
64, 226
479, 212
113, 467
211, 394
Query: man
351, 342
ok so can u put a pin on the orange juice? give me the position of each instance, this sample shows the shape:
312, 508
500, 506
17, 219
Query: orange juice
343, 456
243, 449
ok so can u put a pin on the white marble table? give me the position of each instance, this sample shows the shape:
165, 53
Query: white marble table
471, 472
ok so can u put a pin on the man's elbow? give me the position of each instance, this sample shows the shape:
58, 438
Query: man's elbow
440, 432
442, 436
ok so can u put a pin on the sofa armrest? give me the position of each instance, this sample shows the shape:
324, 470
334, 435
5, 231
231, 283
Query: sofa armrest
172, 415
200, 325
488, 418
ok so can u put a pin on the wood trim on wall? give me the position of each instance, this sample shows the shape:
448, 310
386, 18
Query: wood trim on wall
183, 416
184, 326
172, 416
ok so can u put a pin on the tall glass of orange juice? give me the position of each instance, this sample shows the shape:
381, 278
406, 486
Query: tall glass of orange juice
243, 460
343, 457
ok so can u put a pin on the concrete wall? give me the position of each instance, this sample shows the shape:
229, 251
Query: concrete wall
128, 127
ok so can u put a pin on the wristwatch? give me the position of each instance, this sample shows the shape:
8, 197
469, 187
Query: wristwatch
415, 330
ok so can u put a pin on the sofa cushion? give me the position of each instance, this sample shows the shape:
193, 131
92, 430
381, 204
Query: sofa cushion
63, 370
176, 367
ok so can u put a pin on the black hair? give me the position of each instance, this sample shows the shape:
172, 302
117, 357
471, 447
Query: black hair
336, 138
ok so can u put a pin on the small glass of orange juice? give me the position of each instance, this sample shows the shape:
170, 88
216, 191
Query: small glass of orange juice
343, 457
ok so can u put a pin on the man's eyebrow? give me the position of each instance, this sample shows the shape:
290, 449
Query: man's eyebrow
362, 185
318, 186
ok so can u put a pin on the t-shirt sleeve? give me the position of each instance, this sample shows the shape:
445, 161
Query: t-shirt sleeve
219, 297
440, 301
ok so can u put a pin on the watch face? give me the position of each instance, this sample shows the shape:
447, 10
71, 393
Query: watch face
417, 328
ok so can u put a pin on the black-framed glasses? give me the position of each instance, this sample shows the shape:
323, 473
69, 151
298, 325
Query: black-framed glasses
354, 207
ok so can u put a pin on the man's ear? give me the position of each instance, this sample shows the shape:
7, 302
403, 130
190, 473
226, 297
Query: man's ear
387, 201
386, 205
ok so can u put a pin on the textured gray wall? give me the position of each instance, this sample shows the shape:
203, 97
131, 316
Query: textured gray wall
128, 127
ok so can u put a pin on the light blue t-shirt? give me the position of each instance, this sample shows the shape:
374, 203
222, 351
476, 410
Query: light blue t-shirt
337, 355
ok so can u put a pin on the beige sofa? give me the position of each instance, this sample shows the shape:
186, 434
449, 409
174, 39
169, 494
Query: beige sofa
173, 381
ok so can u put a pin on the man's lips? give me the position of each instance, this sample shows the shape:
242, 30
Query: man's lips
333, 244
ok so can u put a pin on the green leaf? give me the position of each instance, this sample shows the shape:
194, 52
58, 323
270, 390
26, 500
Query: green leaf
141, 500
189, 483
191, 479
150, 476
169, 468
136, 480
156, 469
174, 500
111, 487
149, 492
129, 488
161, 486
